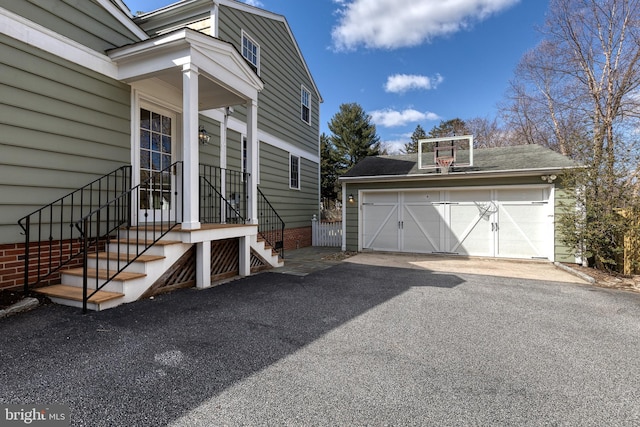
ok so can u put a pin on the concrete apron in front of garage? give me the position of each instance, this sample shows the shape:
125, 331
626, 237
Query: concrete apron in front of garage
519, 269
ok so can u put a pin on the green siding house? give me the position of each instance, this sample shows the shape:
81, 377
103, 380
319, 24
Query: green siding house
136, 148
504, 204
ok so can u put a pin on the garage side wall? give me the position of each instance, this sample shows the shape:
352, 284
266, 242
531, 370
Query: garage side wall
564, 199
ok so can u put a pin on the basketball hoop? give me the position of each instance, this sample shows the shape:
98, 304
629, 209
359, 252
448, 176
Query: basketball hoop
444, 163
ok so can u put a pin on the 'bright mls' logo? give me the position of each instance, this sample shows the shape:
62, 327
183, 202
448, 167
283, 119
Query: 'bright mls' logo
51, 415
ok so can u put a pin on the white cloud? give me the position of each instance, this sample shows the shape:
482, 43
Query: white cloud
395, 146
400, 83
255, 3
391, 118
390, 24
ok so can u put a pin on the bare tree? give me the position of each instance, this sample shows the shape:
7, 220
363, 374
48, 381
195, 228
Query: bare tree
599, 42
577, 92
487, 133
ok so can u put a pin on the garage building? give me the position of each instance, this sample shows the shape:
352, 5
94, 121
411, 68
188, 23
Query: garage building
504, 205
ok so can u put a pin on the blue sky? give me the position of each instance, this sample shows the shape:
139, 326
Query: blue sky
407, 62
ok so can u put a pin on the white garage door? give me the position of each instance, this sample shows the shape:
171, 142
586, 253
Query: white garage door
500, 222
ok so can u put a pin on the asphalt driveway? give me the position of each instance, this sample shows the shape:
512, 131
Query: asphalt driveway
353, 344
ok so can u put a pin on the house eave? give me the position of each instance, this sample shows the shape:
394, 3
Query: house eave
514, 173
218, 60
174, 12
117, 10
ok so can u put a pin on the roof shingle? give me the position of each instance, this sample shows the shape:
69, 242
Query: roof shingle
499, 159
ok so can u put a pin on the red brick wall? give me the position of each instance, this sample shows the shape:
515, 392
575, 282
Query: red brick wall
295, 238
12, 261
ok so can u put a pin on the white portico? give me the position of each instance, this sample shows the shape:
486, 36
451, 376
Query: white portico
178, 75
205, 73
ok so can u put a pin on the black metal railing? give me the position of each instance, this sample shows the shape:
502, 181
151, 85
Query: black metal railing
55, 239
215, 208
159, 204
223, 195
270, 225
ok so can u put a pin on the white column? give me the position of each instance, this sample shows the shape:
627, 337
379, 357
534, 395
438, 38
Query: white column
245, 256
190, 155
223, 163
344, 217
252, 160
203, 265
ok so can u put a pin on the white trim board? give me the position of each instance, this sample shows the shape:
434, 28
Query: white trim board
241, 127
26, 31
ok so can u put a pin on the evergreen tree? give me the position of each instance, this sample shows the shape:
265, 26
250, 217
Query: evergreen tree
353, 135
453, 127
329, 162
412, 147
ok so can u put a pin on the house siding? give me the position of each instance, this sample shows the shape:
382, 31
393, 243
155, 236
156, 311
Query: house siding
279, 105
279, 115
61, 126
83, 21
564, 198
296, 207
210, 153
561, 252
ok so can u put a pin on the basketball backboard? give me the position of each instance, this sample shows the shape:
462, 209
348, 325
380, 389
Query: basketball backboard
435, 152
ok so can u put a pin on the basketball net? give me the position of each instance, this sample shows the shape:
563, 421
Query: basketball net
444, 163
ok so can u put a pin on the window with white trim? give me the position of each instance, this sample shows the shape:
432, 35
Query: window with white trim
251, 51
294, 172
305, 100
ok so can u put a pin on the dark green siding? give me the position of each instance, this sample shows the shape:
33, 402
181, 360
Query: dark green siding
61, 126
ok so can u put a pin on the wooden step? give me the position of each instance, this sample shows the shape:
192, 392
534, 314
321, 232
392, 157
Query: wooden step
125, 257
74, 293
102, 274
142, 242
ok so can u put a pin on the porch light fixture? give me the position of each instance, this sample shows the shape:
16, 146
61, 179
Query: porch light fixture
203, 135
548, 178
351, 198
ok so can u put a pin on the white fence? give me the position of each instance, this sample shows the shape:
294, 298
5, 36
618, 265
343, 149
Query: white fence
326, 233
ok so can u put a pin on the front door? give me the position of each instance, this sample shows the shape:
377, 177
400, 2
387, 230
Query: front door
156, 155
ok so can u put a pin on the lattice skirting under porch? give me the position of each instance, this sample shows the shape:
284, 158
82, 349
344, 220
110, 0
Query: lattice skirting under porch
225, 262
182, 274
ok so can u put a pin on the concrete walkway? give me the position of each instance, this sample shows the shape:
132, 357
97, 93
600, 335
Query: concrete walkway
497, 267
307, 260
303, 261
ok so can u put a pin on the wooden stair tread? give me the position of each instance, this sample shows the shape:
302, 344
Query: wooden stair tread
148, 242
74, 293
125, 257
102, 274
